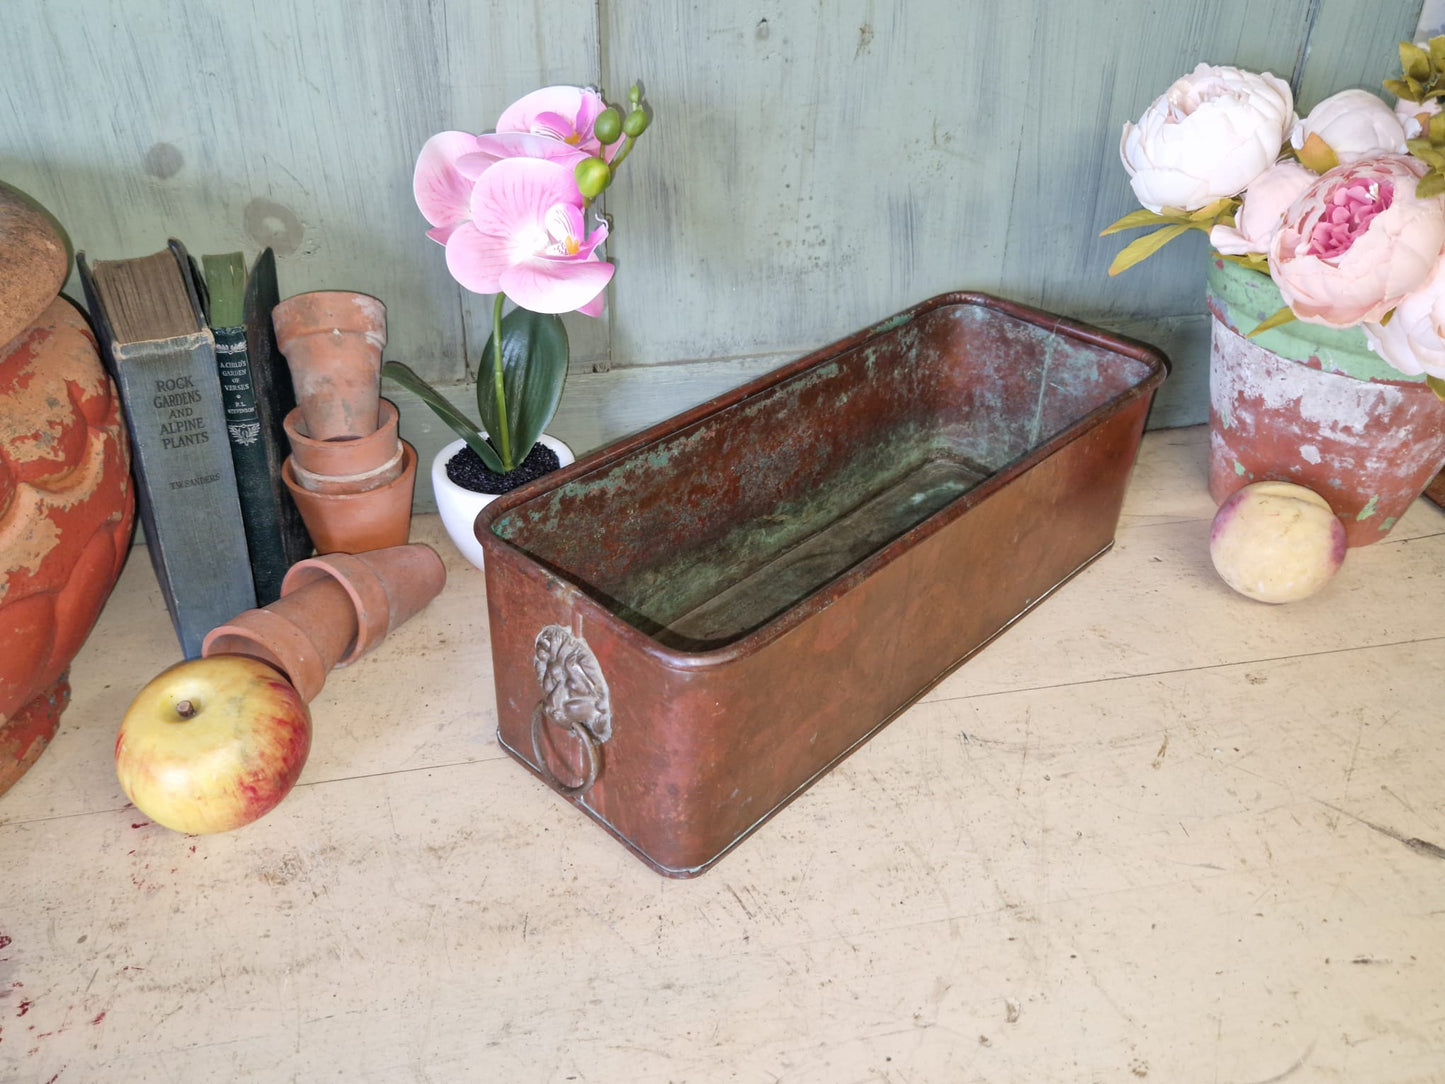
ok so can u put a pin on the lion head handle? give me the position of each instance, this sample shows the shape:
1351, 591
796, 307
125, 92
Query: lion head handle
574, 692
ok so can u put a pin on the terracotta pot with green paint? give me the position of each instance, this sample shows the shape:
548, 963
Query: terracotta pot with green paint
1314, 406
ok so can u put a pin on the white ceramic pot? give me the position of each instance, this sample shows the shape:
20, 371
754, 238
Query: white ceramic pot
459, 507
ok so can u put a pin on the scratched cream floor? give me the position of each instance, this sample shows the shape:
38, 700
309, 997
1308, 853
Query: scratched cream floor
1155, 832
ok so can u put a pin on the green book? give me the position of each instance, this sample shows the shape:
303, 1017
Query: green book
257, 393
147, 314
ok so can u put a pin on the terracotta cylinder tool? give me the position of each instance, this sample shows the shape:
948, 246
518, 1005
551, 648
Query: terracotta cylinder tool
332, 340
332, 610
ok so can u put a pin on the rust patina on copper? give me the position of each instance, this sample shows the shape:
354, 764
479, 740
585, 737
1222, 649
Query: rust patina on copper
756, 586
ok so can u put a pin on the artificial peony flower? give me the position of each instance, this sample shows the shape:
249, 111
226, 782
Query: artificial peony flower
1414, 339
1354, 124
1206, 138
1357, 241
526, 238
1415, 115
1265, 202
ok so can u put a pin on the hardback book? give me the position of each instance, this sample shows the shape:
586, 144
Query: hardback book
148, 319
257, 393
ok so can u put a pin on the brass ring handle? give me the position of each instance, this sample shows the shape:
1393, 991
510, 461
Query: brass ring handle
589, 751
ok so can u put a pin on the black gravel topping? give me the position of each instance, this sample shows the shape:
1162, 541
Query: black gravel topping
467, 470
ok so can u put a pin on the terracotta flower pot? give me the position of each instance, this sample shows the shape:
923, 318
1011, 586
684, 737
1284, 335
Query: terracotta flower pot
332, 340
66, 500
356, 522
1314, 406
352, 465
332, 610
458, 506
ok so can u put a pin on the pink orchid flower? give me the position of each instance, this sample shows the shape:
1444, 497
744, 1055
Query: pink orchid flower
526, 238
560, 112
450, 163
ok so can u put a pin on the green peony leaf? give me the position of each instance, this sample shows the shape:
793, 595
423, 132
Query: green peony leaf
1424, 150
1401, 89
1437, 53
1414, 61
1436, 130
534, 368
1432, 184
1436, 385
458, 422
1133, 221
1143, 247
1283, 316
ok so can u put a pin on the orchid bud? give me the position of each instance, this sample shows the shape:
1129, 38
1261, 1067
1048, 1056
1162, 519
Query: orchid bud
636, 122
592, 176
608, 126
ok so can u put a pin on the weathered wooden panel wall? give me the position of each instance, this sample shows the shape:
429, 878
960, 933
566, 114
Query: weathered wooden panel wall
814, 165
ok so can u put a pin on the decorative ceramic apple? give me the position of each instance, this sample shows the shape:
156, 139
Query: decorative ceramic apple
1276, 542
212, 744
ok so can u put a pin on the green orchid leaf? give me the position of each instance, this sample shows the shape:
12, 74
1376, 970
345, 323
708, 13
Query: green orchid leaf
1283, 316
534, 368
1143, 247
458, 422
1436, 385
1133, 221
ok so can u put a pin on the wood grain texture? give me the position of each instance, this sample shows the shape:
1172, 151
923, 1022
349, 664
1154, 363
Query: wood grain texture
233, 126
813, 167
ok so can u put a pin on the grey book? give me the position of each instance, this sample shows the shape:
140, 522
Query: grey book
148, 319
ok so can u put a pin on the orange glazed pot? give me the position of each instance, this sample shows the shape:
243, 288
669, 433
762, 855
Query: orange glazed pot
66, 501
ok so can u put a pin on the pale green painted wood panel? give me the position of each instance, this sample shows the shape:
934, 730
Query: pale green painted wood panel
231, 126
815, 167
1354, 44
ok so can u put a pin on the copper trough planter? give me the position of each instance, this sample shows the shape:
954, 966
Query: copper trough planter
692, 625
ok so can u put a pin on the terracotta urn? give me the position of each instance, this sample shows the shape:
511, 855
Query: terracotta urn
333, 610
332, 340
66, 500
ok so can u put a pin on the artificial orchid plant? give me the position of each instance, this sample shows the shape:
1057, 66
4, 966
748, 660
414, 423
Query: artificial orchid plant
512, 209
1344, 209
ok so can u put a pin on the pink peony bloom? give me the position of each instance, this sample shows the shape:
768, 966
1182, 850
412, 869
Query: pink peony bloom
526, 238
1208, 137
1265, 202
1356, 241
1354, 124
1414, 339
559, 112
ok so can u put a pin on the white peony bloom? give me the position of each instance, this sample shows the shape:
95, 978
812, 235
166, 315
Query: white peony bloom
1354, 124
1211, 134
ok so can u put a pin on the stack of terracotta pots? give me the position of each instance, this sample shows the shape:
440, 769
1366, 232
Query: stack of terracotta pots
350, 473
351, 476
333, 609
